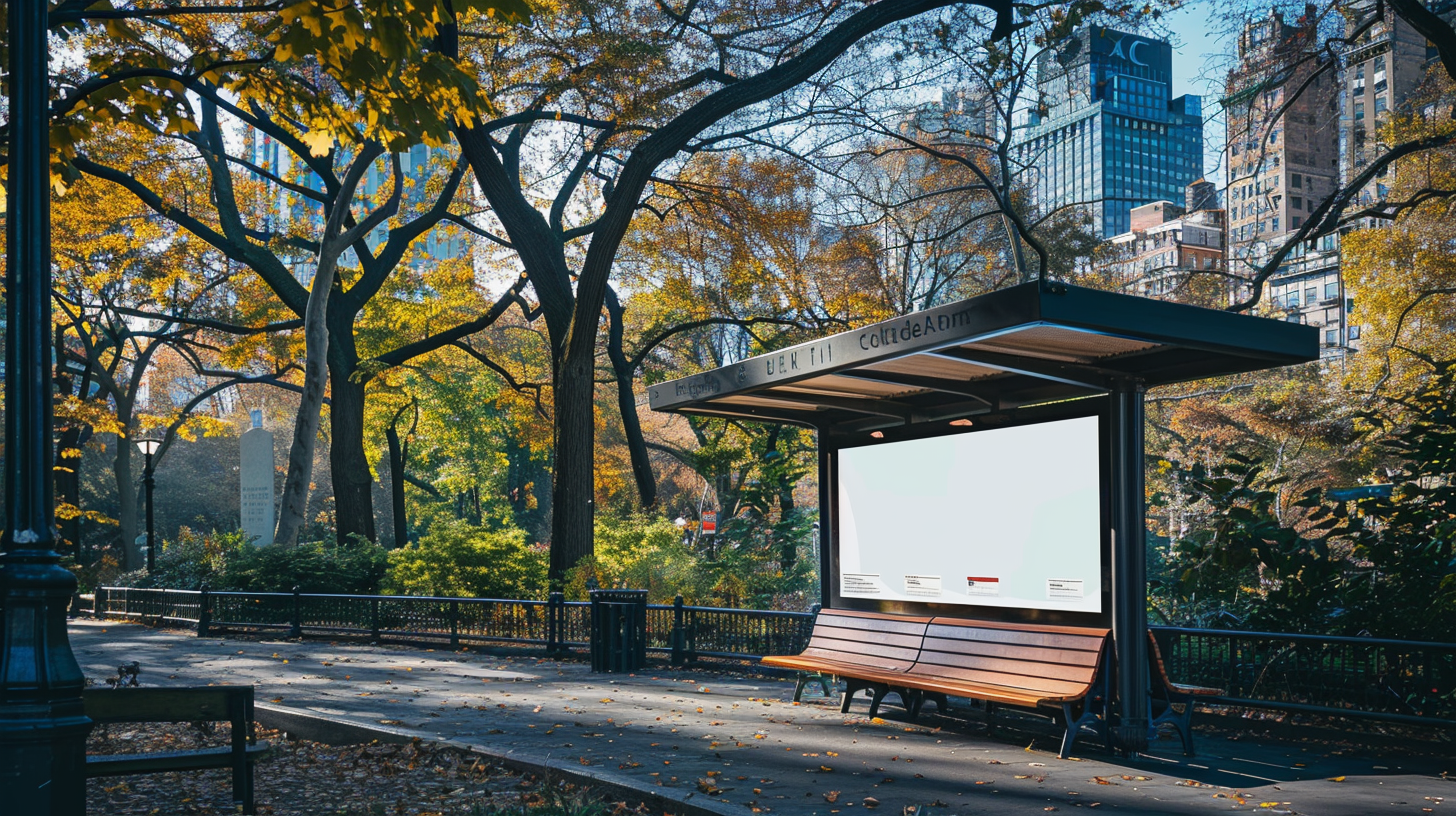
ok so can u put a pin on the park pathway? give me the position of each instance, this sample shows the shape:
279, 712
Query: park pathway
734, 744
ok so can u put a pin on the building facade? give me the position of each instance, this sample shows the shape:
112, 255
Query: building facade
1172, 251
1282, 110
1107, 135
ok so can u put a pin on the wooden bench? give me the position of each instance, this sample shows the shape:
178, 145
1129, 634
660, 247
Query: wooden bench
1022, 665
1028, 666
869, 651
1166, 697
232, 704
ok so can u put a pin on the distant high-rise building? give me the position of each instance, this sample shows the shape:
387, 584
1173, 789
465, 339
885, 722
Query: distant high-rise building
1282, 113
1383, 67
1107, 134
285, 207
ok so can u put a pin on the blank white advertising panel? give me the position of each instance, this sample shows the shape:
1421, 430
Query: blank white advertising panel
1009, 517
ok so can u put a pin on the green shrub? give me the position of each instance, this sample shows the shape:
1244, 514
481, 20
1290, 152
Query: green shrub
356, 568
223, 561
456, 558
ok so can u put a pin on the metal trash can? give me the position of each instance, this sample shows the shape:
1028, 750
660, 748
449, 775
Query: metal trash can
618, 630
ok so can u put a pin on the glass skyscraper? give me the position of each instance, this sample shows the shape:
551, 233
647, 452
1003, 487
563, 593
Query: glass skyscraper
1106, 136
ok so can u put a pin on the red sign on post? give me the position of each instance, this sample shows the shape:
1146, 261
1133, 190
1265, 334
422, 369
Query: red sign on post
710, 523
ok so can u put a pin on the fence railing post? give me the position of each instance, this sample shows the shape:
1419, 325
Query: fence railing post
555, 609
204, 611
454, 624
296, 630
679, 635
690, 628
374, 620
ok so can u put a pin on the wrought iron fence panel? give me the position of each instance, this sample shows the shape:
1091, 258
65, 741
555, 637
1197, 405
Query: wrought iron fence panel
1388, 679
177, 605
576, 624
335, 613
745, 633
661, 620
257, 610
408, 616
507, 621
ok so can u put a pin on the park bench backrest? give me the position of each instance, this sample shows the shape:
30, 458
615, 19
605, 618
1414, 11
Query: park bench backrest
1050, 662
866, 639
194, 704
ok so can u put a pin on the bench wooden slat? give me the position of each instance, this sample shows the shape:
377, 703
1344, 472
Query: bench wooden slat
837, 668
164, 761
846, 652
858, 636
1024, 637
875, 620
1033, 666
1071, 657
197, 704
950, 675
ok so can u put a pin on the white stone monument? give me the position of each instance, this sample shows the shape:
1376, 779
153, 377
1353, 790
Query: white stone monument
255, 474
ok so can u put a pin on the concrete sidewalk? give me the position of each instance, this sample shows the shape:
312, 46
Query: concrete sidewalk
727, 743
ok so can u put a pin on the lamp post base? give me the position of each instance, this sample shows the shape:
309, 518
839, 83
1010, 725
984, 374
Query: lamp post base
43, 723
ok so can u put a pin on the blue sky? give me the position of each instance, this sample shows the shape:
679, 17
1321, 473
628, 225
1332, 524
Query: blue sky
1195, 48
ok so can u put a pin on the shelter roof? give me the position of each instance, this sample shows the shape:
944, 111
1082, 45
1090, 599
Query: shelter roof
1026, 345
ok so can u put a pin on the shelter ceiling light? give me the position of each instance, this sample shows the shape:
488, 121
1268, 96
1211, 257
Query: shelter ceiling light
877, 435
964, 423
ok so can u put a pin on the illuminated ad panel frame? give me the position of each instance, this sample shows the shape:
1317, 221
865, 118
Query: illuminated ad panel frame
1048, 612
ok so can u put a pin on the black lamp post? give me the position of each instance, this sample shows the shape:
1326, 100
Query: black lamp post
149, 447
43, 724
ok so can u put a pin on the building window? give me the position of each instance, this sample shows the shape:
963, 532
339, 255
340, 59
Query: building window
1310, 295
1330, 337
1332, 289
1354, 332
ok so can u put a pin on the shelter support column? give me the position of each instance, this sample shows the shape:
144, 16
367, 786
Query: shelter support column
1129, 568
826, 529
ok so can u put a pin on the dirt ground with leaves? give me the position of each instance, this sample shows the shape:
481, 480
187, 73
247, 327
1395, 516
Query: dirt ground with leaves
305, 778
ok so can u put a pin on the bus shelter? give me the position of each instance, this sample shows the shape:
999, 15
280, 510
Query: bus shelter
1028, 358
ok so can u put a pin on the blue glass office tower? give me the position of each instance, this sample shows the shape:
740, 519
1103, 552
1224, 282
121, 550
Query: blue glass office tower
1105, 135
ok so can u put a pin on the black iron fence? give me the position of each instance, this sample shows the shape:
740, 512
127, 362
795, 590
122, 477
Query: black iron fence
681, 632
1363, 677
1391, 680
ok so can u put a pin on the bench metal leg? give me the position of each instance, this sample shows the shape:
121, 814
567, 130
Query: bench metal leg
853, 686
880, 692
805, 678
942, 706
1181, 722
1089, 718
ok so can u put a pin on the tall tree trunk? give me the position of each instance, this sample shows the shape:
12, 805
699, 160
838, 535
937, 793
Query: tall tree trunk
627, 405
572, 477
126, 505
396, 485
68, 480
293, 505
317, 364
398, 452
353, 481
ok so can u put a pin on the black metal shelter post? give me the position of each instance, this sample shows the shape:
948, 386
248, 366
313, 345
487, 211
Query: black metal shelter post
826, 529
1129, 566
43, 725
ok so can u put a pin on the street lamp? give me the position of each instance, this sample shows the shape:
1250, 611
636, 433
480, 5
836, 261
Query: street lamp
149, 447
43, 723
